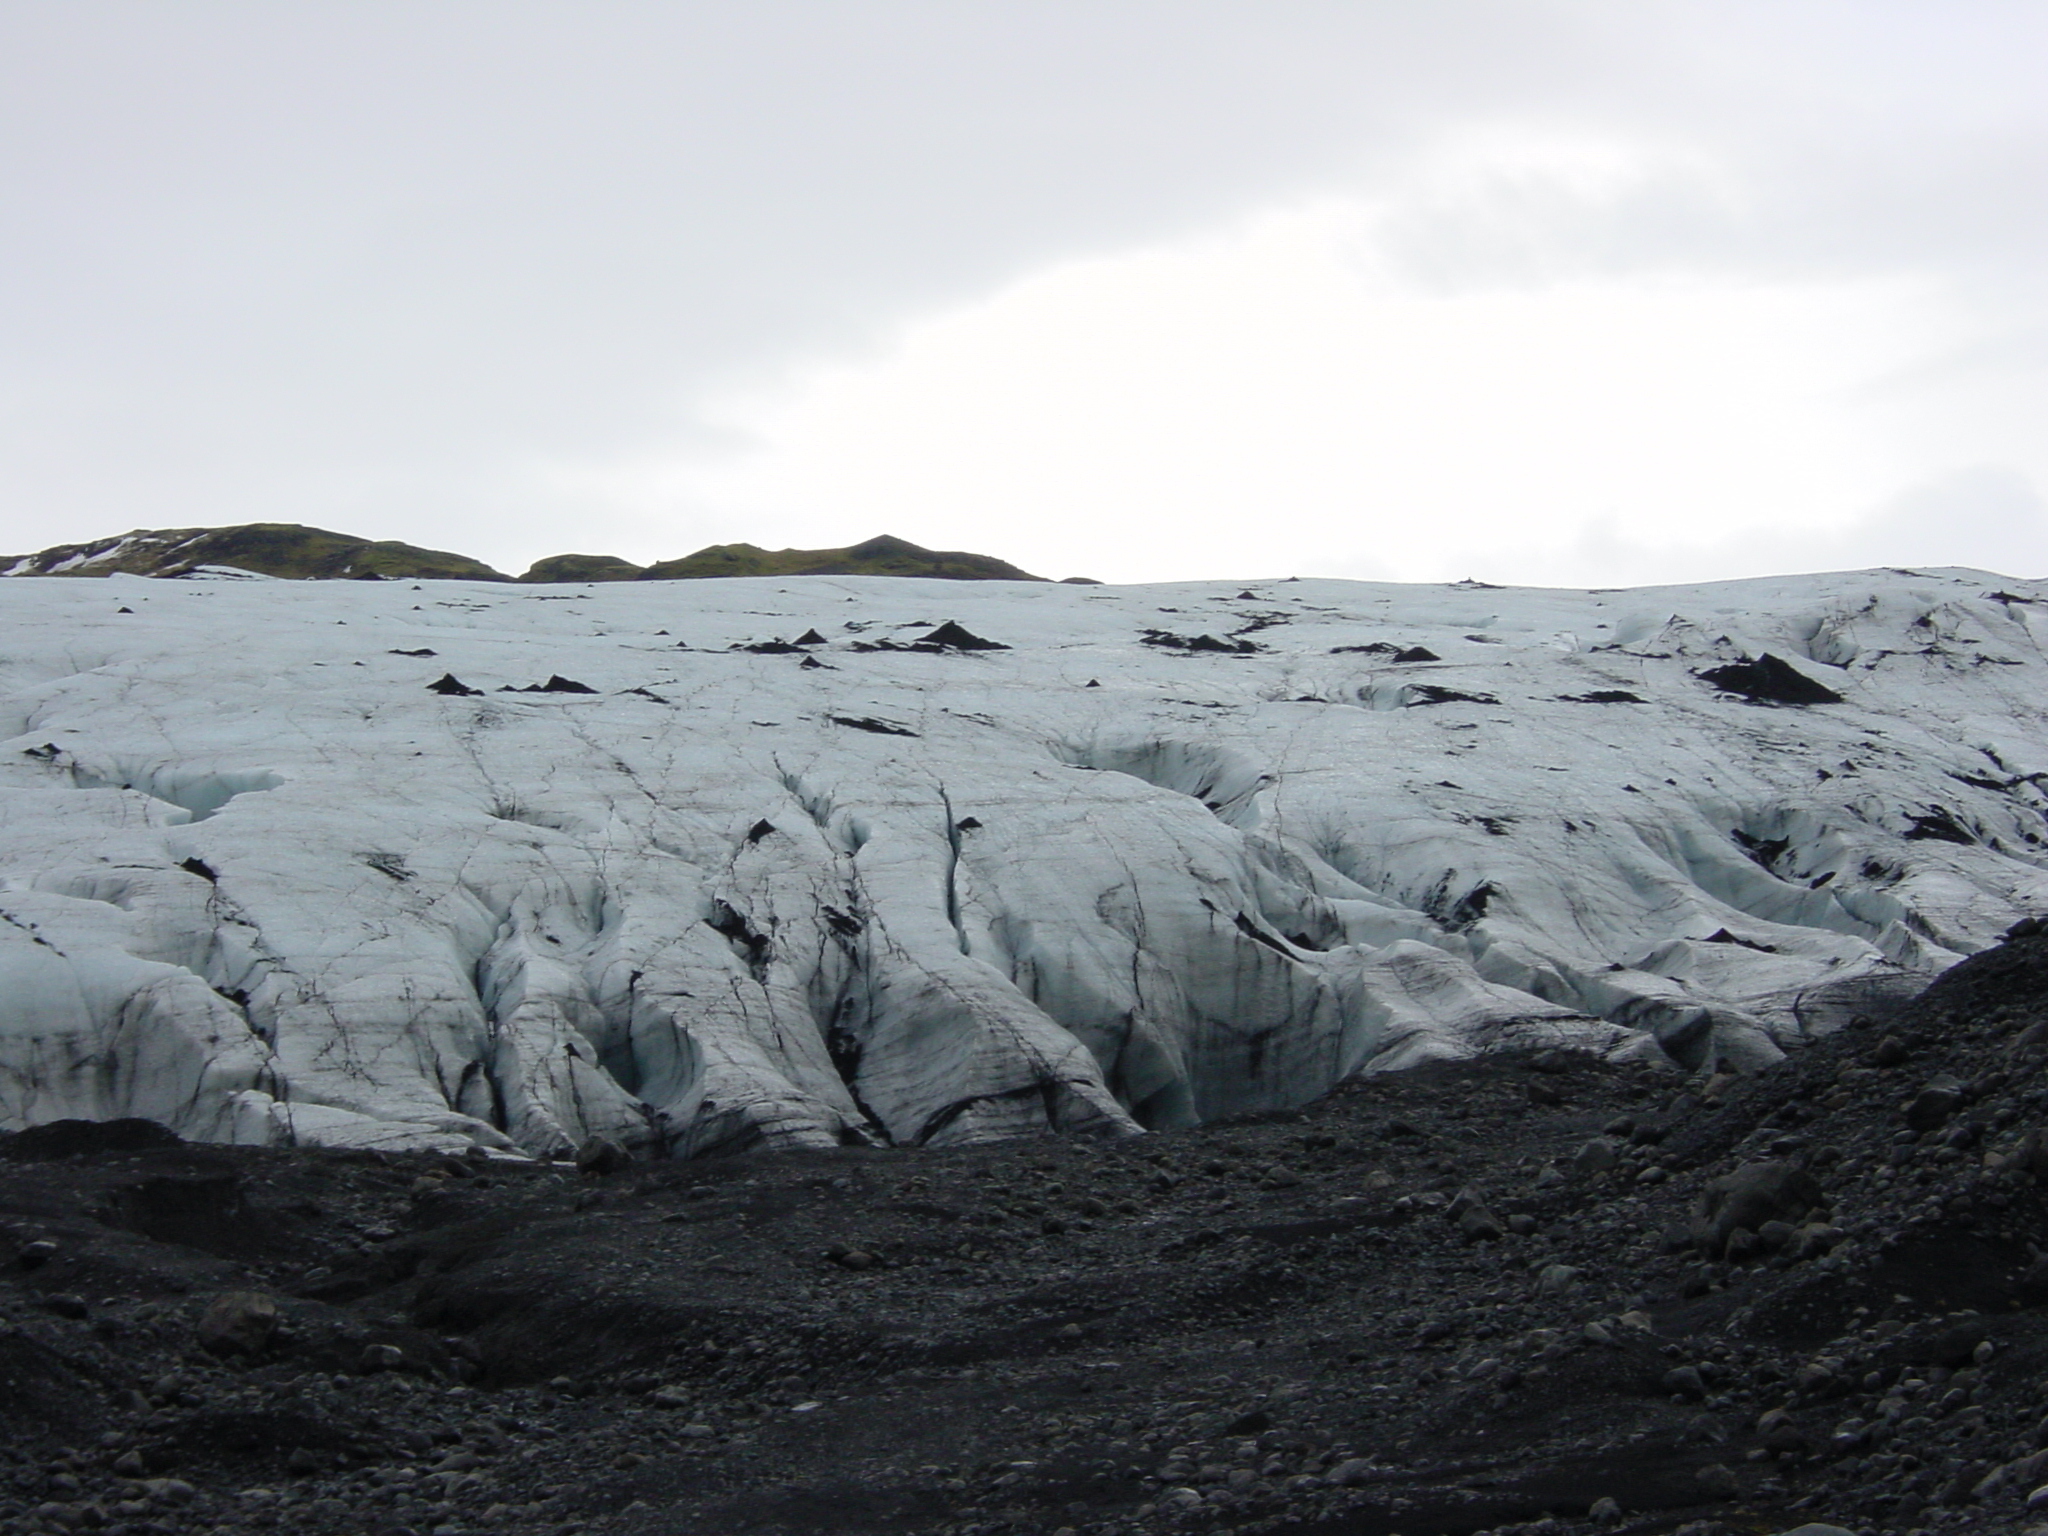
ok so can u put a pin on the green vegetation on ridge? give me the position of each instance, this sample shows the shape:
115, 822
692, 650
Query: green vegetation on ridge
294, 552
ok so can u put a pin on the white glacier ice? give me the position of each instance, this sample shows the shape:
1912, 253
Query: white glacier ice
1176, 852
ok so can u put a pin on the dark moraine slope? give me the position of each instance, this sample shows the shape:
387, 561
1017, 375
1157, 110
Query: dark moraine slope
1533, 1293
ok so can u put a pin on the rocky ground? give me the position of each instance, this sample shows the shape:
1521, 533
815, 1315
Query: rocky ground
1529, 1293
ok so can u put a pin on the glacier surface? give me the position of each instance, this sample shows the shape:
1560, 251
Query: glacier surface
715, 864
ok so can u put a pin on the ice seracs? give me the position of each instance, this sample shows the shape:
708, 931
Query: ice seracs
269, 876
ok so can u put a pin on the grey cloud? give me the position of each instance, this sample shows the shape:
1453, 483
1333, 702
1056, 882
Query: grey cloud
380, 264
1991, 517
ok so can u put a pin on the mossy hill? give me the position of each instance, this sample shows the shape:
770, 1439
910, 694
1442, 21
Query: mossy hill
884, 556
582, 568
295, 552
267, 549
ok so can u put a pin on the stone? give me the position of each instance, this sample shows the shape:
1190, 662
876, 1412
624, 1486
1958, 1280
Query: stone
2028, 1468
1933, 1104
2030, 1156
1718, 1480
1555, 1279
1604, 1511
1596, 1156
1478, 1225
36, 1254
1747, 1198
238, 1323
1685, 1381
600, 1156
1817, 1239
1350, 1473
380, 1357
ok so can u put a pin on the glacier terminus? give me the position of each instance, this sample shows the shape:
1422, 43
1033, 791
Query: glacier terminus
708, 865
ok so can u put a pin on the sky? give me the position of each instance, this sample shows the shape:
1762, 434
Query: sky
1568, 292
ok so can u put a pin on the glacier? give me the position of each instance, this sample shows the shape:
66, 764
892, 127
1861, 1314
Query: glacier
801, 861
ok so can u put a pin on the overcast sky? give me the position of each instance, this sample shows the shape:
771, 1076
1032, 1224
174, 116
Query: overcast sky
1586, 292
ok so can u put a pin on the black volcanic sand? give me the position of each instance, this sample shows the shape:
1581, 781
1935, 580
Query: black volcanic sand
1289, 1324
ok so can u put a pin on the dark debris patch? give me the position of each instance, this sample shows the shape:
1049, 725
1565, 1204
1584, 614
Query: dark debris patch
557, 684
951, 636
1723, 936
1431, 693
448, 683
1167, 641
869, 723
1382, 648
1765, 851
1602, 696
1768, 680
1937, 824
949, 639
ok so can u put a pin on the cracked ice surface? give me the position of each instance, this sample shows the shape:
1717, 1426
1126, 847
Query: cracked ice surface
259, 882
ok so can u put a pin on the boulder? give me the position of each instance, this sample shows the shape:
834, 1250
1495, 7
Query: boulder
1596, 1156
238, 1323
599, 1156
1747, 1198
1933, 1104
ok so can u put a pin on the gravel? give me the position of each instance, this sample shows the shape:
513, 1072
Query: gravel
1444, 1301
